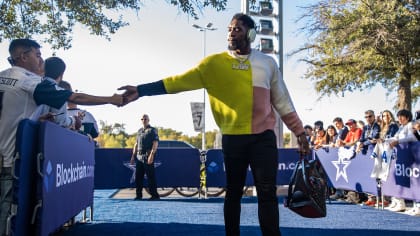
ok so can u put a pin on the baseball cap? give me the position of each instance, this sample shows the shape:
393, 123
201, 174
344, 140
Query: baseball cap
350, 121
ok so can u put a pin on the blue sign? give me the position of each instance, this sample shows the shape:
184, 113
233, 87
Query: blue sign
67, 179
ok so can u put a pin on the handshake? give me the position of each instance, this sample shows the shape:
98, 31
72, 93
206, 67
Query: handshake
130, 94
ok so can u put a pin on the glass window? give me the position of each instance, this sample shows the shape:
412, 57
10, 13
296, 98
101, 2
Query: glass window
266, 8
266, 26
266, 45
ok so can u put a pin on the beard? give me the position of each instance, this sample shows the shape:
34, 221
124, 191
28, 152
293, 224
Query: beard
235, 44
232, 45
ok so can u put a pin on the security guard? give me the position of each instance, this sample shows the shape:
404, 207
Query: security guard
144, 151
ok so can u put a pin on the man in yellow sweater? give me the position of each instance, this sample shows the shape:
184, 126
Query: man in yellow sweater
244, 88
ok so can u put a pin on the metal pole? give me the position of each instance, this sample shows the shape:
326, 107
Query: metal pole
280, 39
203, 130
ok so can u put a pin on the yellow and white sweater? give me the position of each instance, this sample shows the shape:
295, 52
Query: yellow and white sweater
242, 95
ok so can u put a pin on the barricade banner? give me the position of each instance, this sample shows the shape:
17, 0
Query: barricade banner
404, 179
24, 184
348, 172
113, 169
174, 167
216, 170
354, 172
67, 175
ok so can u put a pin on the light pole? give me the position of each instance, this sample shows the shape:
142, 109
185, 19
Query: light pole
204, 30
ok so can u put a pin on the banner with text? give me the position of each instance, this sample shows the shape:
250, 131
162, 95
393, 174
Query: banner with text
67, 175
353, 172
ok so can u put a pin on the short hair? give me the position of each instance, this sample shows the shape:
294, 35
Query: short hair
405, 113
24, 43
54, 67
16, 47
307, 127
65, 85
247, 20
370, 112
319, 123
338, 119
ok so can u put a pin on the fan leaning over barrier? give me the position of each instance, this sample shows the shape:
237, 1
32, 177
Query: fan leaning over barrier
308, 189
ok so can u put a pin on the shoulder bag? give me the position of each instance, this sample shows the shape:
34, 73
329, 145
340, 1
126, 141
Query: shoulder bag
308, 189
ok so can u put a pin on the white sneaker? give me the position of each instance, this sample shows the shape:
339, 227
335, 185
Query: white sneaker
399, 206
415, 211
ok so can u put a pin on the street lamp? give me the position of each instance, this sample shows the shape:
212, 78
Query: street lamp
204, 30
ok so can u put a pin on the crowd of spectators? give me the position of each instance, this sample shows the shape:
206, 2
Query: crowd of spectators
359, 136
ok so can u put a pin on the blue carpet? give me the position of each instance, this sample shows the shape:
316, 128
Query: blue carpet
199, 217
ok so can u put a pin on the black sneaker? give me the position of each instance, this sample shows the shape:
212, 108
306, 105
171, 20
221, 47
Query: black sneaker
352, 197
137, 199
154, 199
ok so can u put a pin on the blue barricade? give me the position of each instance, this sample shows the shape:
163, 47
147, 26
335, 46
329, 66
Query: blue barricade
24, 184
176, 167
403, 180
216, 170
53, 177
67, 176
179, 167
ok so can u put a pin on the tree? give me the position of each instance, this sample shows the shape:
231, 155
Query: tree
357, 44
113, 136
53, 20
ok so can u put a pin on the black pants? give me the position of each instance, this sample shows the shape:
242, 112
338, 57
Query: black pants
259, 151
149, 169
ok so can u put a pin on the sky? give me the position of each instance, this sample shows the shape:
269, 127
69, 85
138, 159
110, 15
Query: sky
160, 41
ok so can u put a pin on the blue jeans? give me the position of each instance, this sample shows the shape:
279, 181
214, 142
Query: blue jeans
259, 151
6, 184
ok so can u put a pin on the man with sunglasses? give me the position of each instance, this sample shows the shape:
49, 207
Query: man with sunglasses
370, 132
144, 152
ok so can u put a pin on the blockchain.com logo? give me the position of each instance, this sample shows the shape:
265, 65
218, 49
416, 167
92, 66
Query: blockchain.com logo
213, 167
48, 177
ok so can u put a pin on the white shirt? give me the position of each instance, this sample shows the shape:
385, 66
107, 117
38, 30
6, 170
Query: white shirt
17, 87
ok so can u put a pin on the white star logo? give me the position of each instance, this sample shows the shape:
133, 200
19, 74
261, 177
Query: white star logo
344, 157
132, 167
341, 166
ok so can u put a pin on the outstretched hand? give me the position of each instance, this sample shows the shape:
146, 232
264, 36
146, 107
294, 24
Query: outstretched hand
117, 100
130, 94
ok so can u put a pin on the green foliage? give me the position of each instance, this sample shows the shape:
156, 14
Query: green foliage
130, 141
115, 136
357, 44
53, 20
287, 139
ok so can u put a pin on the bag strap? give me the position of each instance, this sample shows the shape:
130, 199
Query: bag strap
300, 163
292, 180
